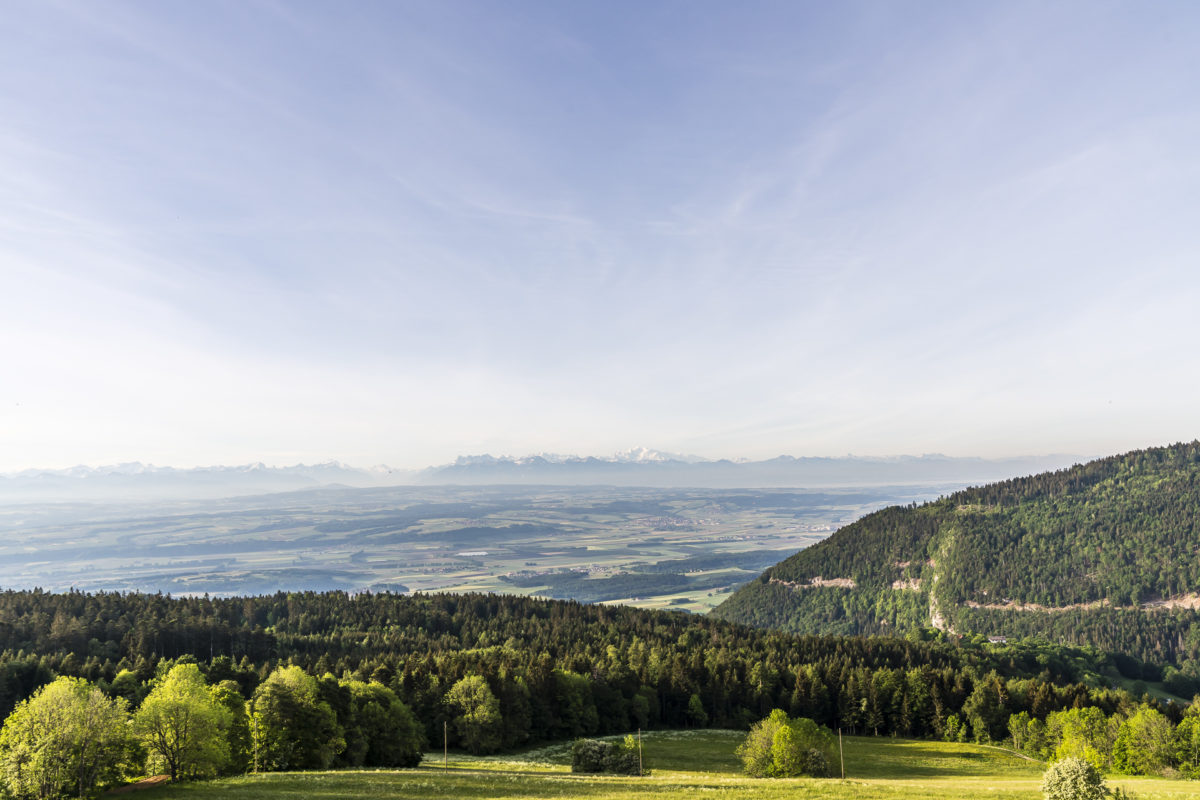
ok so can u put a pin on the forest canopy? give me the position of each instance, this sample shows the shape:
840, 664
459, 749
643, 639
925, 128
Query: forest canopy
1101, 554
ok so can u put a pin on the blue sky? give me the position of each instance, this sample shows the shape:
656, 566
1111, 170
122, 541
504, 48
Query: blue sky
397, 232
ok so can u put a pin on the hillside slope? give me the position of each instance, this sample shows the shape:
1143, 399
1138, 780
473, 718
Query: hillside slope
1105, 553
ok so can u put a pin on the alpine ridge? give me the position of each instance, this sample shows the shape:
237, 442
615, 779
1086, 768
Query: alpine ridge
1105, 553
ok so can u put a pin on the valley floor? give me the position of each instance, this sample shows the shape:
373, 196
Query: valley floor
684, 764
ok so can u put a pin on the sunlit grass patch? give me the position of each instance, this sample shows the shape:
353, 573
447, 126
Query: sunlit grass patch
686, 765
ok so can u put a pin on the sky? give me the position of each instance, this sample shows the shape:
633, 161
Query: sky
398, 232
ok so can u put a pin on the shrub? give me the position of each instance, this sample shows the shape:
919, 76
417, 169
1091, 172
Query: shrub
587, 755
592, 755
781, 747
1073, 779
816, 763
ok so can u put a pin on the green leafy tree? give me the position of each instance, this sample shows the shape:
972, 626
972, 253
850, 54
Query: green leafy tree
573, 700
127, 685
756, 750
1144, 744
382, 731
229, 695
1081, 733
984, 709
67, 739
291, 727
802, 747
1187, 742
644, 706
954, 730
851, 703
786, 754
696, 713
781, 747
1018, 730
513, 695
917, 705
476, 713
182, 726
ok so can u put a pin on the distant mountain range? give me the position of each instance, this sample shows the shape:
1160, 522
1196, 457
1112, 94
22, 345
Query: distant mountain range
136, 481
662, 470
636, 467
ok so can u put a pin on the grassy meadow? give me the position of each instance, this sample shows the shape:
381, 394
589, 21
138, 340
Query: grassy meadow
698, 765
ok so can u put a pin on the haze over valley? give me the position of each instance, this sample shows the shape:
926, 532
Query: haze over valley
654, 547
641, 527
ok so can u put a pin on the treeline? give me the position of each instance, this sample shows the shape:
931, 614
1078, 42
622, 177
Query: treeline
646, 580
71, 738
556, 670
1140, 741
1158, 638
575, 585
1105, 537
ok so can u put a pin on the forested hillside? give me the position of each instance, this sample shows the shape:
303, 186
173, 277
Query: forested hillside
557, 669
1104, 554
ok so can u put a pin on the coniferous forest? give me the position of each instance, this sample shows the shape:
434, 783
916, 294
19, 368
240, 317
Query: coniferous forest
557, 669
1102, 554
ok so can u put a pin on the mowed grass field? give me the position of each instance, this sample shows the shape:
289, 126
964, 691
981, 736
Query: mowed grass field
698, 765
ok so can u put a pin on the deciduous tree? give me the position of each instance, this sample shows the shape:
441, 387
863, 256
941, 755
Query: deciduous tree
182, 726
382, 731
1144, 745
781, 747
476, 714
291, 727
67, 739
229, 695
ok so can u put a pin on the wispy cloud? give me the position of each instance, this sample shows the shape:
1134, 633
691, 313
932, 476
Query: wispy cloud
395, 232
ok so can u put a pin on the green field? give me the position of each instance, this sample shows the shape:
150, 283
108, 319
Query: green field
684, 764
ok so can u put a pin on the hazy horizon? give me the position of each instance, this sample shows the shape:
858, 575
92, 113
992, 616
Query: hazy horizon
395, 233
622, 456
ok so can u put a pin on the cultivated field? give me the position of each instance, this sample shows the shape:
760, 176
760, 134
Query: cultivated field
685, 548
684, 764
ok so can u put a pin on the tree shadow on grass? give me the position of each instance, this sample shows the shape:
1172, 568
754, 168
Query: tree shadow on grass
915, 759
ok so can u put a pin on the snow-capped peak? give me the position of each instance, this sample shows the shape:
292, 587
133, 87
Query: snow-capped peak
642, 455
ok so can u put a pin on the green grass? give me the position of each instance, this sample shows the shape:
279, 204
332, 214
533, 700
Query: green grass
686, 765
